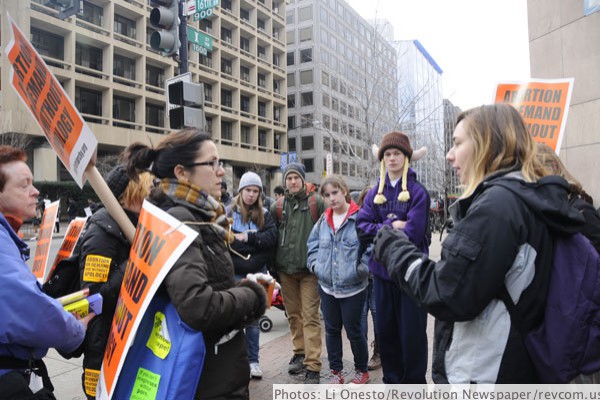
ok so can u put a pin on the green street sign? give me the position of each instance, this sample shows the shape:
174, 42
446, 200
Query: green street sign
204, 4
199, 38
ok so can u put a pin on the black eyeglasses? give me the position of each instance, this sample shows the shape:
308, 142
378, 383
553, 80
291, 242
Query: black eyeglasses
216, 164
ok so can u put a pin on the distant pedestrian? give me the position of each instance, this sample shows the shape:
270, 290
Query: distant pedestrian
278, 192
502, 242
71, 208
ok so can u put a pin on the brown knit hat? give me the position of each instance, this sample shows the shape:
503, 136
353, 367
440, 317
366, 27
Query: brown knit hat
395, 140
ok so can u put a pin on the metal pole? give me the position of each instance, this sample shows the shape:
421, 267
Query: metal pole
183, 47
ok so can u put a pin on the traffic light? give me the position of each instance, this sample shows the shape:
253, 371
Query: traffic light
67, 7
165, 16
188, 97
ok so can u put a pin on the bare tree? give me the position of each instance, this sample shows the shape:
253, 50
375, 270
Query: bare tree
14, 139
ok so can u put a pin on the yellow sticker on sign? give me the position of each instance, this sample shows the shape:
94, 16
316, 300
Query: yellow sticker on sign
96, 268
159, 341
146, 385
90, 381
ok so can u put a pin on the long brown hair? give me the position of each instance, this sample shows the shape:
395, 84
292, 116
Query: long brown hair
501, 142
254, 213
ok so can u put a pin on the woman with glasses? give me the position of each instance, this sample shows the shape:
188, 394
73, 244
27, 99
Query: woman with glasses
201, 284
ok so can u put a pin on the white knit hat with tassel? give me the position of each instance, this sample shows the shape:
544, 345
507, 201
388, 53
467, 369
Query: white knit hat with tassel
400, 141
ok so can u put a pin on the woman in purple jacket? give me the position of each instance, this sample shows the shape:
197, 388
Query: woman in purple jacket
399, 201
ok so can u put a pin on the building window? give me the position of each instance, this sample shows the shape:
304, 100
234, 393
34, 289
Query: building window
206, 25
261, 52
306, 120
326, 102
306, 55
155, 76
208, 92
290, 58
291, 144
277, 142
123, 109
226, 5
277, 114
305, 14
309, 164
245, 44
245, 103
289, 17
291, 100
92, 13
325, 78
262, 109
306, 34
226, 98
226, 132
291, 122
124, 67
262, 80
88, 101
326, 143
306, 77
245, 134
306, 99
226, 66
289, 37
260, 24
245, 73
48, 44
308, 143
88, 56
262, 138
125, 26
226, 35
244, 15
291, 79
155, 116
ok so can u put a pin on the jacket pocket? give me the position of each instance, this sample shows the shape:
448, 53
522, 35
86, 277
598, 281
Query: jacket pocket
458, 244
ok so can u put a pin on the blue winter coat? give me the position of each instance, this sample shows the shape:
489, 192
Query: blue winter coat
334, 256
372, 217
31, 321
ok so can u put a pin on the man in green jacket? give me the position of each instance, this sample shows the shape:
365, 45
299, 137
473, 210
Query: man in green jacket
295, 221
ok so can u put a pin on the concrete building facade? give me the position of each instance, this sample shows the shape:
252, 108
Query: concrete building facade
342, 89
103, 59
563, 43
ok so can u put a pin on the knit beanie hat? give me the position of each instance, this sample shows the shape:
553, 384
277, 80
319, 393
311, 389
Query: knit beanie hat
250, 179
117, 180
296, 167
395, 140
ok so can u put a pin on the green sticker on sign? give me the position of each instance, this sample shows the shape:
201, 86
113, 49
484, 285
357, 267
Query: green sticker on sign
146, 385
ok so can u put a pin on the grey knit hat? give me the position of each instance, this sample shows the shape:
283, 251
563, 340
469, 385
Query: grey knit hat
250, 179
297, 168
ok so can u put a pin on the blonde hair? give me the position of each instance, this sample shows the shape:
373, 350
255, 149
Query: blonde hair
549, 159
501, 142
337, 182
136, 192
254, 213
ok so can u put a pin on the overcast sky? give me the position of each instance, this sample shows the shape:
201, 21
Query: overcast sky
475, 42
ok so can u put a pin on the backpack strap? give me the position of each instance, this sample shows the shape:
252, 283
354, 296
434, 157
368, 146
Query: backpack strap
279, 208
313, 207
515, 316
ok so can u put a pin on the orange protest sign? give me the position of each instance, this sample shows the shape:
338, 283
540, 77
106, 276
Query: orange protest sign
53, 110
66, 248
158, 242
544, 105
42, 249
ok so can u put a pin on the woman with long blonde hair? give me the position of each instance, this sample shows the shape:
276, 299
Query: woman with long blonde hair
501, 244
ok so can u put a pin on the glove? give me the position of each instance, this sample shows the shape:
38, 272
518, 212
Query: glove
262, 278
385, 238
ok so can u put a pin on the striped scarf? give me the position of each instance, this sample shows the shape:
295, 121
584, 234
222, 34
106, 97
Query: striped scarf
206, 203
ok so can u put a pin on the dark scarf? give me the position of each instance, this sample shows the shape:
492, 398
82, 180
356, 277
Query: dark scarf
193, 194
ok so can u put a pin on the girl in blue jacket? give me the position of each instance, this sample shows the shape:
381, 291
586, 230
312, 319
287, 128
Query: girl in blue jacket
334, 257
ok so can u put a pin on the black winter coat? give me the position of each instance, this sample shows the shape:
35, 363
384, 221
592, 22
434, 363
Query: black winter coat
105, 250
202, 288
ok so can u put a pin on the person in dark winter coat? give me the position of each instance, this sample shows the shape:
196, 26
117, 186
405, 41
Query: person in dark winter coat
104, 253
255, 237
201, 284
578, 198
501, 241
399, 201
